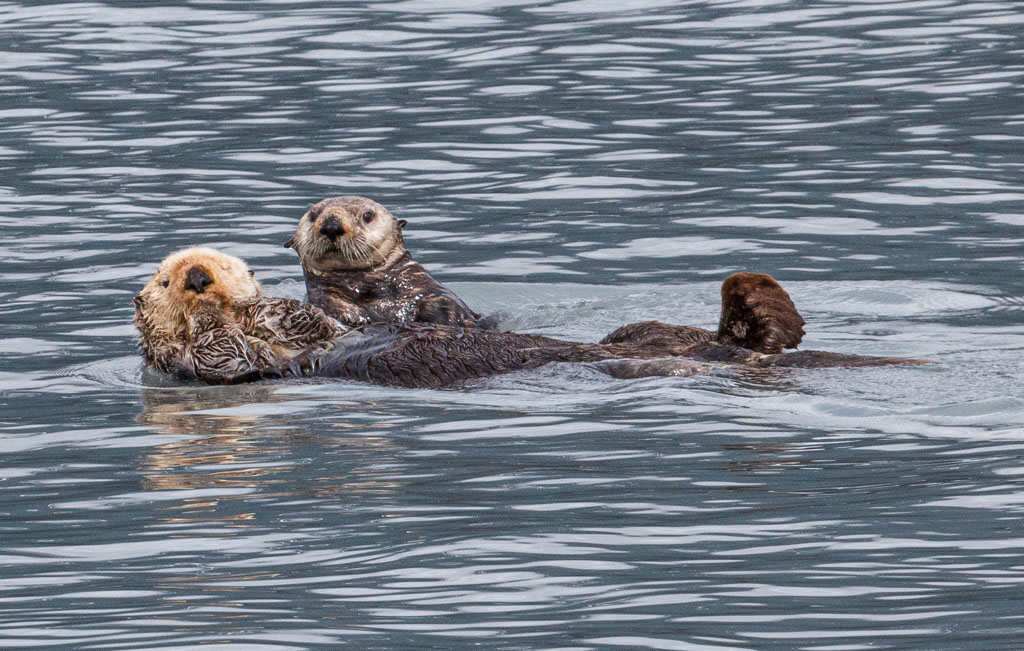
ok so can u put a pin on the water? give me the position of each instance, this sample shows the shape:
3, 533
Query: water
577, 165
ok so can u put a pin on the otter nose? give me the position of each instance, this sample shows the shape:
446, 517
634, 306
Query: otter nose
197, 280
332, 228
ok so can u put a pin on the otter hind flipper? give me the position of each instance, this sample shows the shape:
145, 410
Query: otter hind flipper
758, 314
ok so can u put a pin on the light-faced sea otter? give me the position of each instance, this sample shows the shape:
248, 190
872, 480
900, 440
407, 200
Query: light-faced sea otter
203, 315
358, 270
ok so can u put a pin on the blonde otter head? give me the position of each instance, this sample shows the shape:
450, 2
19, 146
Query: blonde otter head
188, 281
346, 233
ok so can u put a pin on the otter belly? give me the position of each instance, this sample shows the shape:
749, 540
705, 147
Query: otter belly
427, 356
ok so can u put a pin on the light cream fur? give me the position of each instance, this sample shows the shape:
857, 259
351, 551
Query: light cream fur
164, 306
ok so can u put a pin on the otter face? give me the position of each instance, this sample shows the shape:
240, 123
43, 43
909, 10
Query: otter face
190, 279
345, 233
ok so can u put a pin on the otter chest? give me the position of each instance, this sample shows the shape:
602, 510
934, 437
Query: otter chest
388, 302
373, 292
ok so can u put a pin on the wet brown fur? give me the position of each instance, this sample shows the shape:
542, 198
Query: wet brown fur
217, 349
758, 314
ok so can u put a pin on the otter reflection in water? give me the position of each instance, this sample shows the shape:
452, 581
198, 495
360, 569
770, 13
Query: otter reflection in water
203, 316
226, 443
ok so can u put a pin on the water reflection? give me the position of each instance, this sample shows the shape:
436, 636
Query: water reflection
212, 455
238, 441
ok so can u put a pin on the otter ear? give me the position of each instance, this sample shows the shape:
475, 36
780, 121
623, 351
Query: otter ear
401, 224
139, 302
290, 244
252, 274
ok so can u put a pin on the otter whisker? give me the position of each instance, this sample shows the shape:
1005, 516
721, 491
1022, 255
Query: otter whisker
354, 250
369, 252
361, 252
378, 252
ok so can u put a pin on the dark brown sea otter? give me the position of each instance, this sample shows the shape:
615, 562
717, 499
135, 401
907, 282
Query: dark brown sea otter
203, 316
358, 270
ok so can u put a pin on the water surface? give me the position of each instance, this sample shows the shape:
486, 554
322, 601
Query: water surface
575, 165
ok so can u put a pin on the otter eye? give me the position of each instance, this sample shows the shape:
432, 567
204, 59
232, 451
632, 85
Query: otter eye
165, 282
368, 216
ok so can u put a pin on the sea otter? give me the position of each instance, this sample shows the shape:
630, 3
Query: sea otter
358, 270
203, 314
195, 319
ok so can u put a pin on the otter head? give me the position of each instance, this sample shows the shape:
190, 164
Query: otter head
191, 280
346, 233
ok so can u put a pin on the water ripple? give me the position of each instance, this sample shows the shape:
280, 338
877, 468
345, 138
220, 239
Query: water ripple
867, 154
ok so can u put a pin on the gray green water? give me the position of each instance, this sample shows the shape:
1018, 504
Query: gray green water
577, 165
